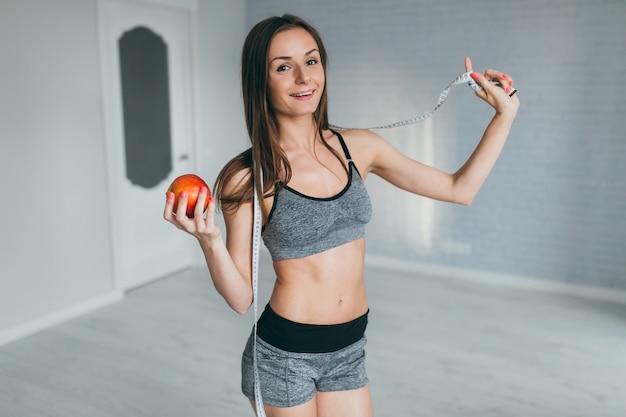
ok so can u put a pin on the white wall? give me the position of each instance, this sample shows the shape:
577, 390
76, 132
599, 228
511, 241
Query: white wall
55, 255
222, 129
552, 210
54, 249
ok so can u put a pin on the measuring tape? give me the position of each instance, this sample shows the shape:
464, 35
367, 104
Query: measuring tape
464, 78
256, 247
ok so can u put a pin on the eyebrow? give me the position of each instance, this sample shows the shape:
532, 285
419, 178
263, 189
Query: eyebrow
288, 57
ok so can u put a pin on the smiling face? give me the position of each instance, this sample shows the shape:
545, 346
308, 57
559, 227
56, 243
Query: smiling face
296, 75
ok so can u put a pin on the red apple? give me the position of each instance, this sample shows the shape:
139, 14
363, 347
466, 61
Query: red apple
191, 184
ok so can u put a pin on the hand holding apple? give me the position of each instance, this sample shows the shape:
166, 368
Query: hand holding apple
191, 184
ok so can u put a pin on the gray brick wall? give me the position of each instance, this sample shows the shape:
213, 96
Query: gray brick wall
554, 206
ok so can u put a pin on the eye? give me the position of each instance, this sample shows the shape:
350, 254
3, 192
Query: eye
282, 68
312, 61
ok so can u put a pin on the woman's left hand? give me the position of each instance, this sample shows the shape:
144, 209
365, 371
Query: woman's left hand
497, 96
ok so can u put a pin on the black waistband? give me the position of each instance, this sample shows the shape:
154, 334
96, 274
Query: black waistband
308, 338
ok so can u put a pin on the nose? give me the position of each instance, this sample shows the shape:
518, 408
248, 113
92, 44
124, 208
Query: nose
303, 76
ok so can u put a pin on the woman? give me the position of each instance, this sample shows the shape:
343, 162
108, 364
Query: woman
311, 335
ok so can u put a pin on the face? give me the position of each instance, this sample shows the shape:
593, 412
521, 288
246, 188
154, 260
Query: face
296, 75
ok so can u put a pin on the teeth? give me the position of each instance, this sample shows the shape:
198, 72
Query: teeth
308, 93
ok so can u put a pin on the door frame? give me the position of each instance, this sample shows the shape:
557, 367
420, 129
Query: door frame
111, 148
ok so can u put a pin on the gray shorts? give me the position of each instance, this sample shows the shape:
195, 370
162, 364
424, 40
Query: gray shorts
290, 378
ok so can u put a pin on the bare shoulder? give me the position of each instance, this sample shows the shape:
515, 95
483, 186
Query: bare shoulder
236, 181
359, 137
365, 147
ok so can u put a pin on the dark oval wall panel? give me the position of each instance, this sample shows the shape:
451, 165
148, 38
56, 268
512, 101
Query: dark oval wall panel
146, 107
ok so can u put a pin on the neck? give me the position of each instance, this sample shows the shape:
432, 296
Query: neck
298, 133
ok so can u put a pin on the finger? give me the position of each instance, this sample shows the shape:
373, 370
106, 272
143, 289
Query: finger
488, 89
501, 79
480, 79
210, 212
181, 210
508, 78
202, 196
169, 206
498, 76
468, 64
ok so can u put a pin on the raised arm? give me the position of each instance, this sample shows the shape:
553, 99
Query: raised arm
229, 262
379, 157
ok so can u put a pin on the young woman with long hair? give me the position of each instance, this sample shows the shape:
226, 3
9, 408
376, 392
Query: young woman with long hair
311, 335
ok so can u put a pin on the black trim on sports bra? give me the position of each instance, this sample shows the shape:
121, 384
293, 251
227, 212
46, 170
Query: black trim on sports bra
351, 164
346, 152
343, 145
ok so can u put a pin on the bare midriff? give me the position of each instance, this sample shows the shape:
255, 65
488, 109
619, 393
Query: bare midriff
325, 288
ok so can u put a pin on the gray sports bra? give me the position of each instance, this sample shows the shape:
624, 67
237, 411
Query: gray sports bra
299, 225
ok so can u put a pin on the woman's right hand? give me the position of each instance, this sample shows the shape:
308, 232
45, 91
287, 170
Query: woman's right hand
200, 226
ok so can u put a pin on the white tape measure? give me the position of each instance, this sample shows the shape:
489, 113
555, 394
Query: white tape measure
256, 247
464, 78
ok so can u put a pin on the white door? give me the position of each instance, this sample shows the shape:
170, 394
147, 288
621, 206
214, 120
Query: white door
145, 247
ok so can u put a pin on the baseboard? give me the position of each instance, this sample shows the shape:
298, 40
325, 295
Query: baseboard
533, 284
33, 326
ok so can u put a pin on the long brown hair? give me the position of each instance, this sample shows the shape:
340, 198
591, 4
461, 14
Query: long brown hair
265, 155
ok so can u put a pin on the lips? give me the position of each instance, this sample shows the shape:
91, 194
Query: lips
307, 93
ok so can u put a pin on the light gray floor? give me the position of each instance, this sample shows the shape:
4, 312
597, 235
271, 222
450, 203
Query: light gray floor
437, 347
